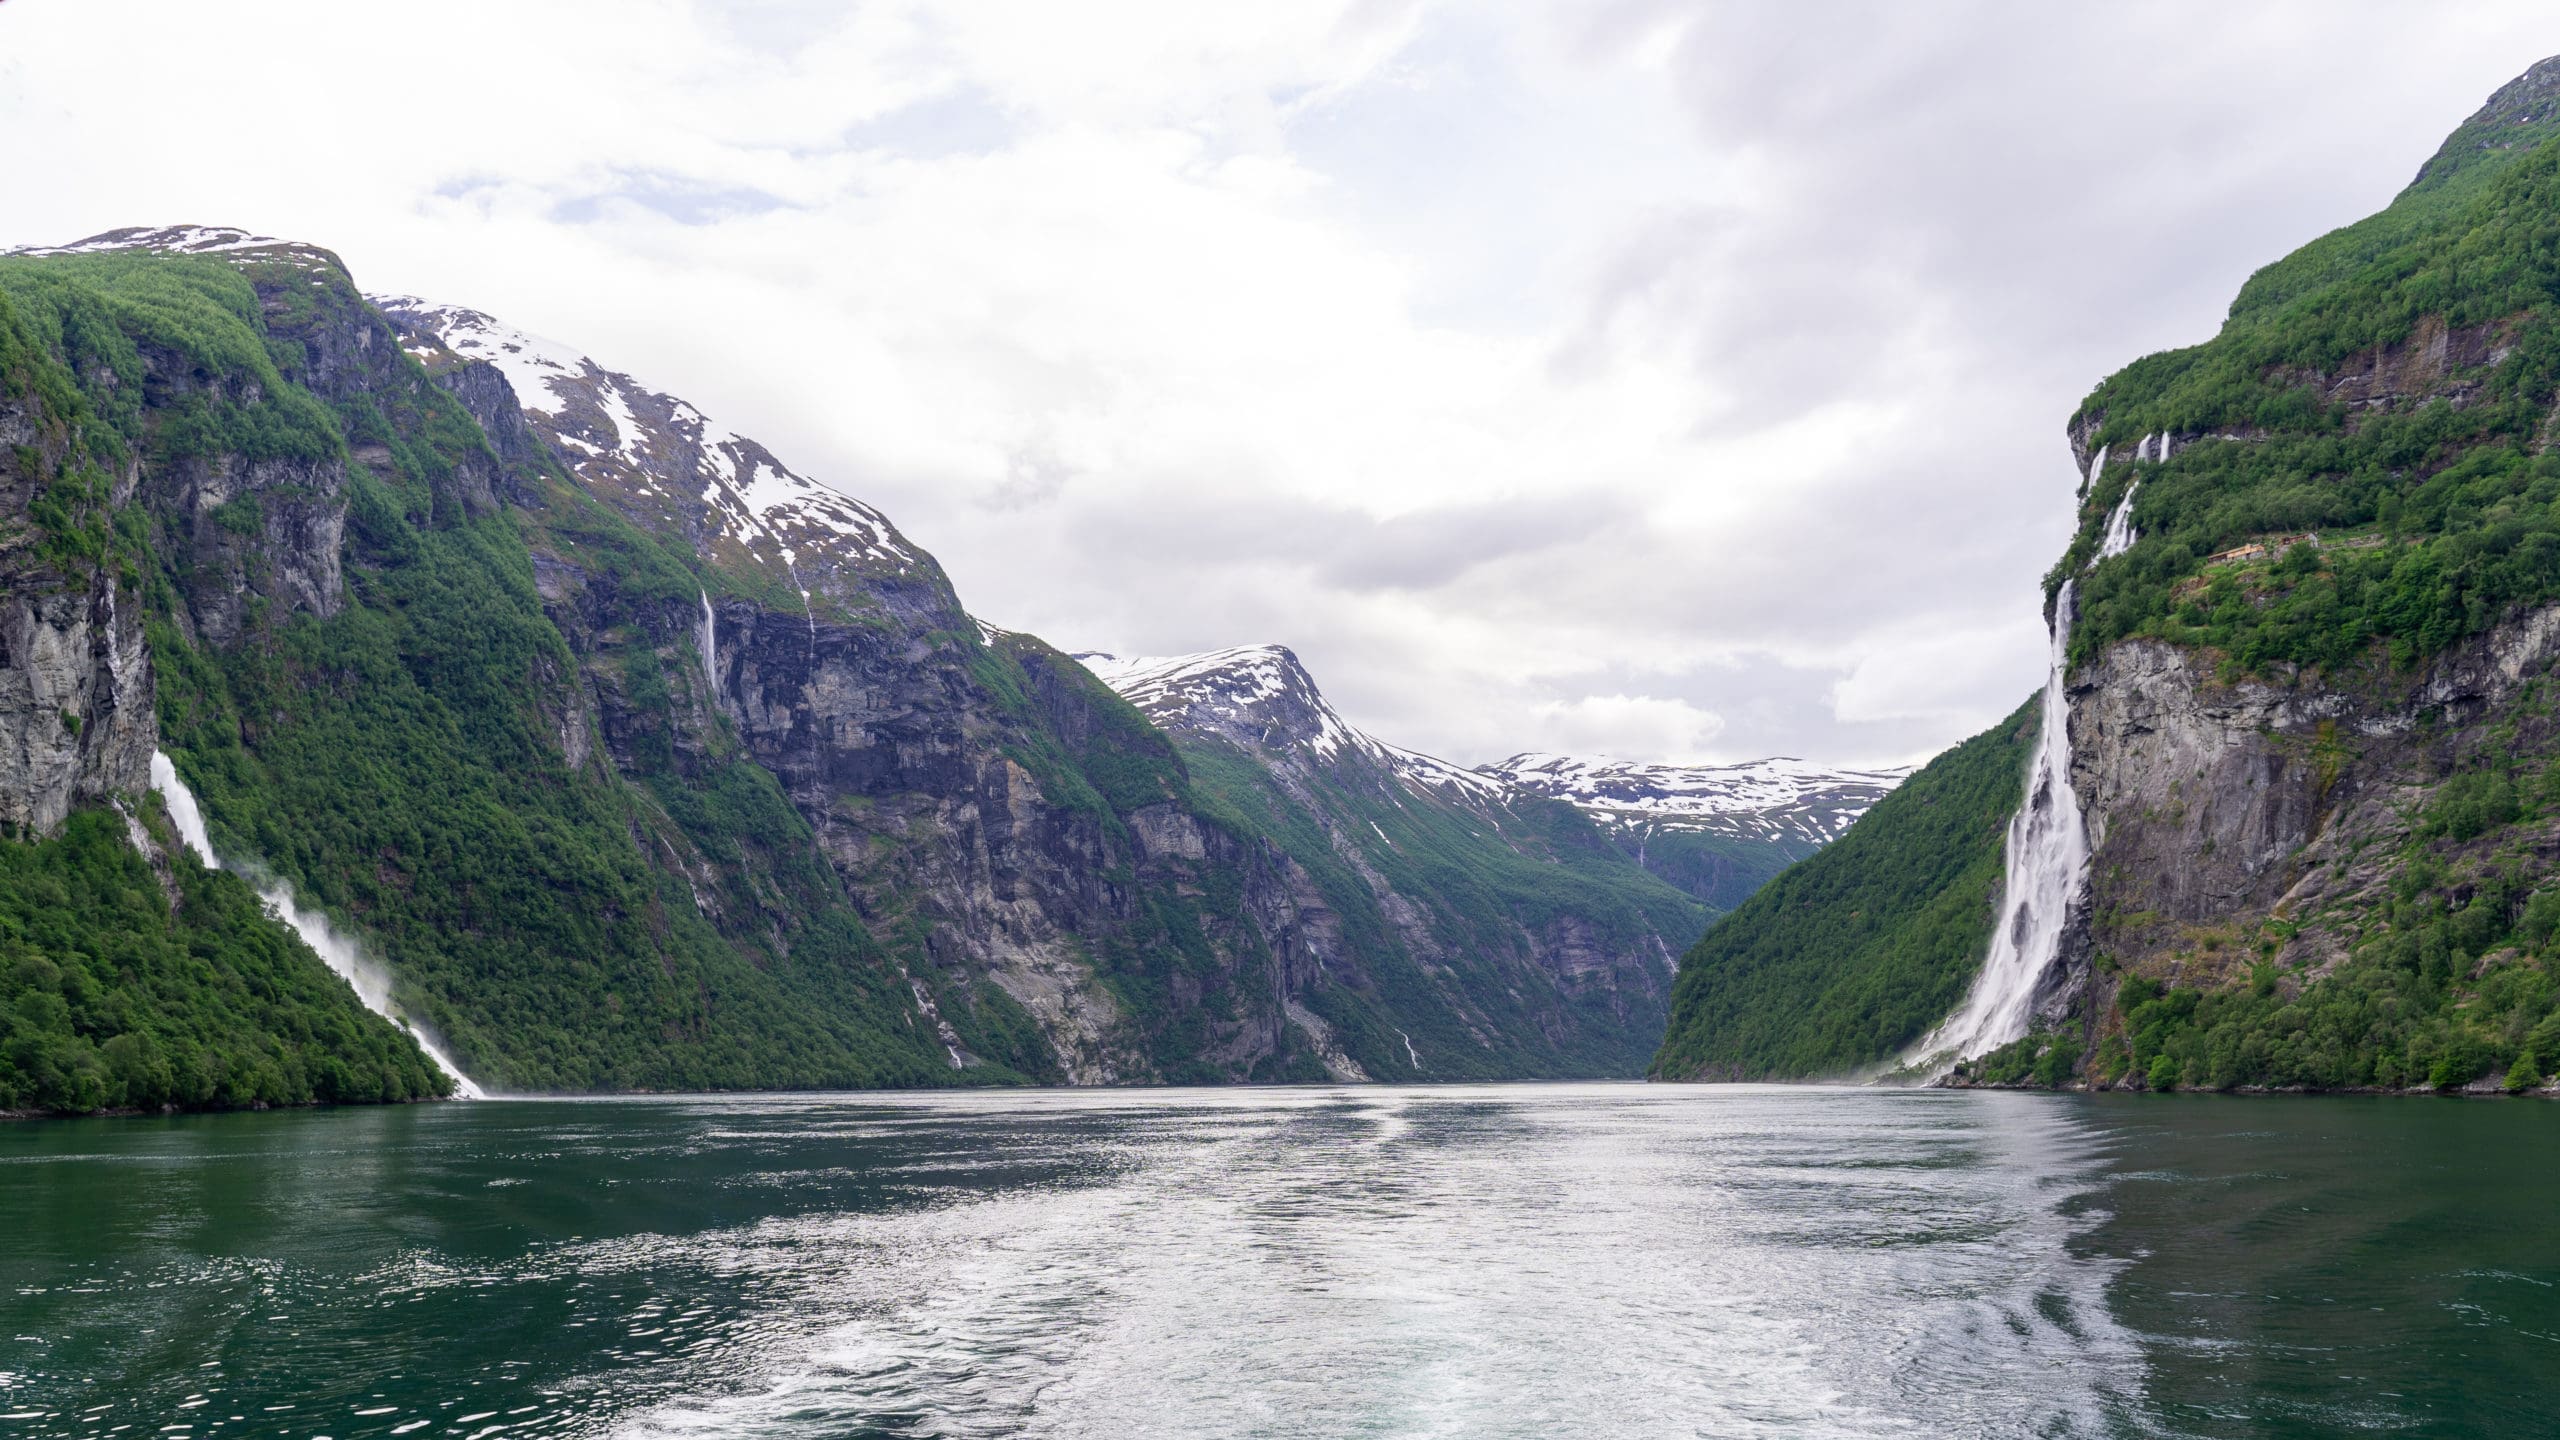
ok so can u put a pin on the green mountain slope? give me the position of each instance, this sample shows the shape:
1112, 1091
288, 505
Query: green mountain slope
388, 742
2311, 724
1855, 952
130, 976
642, 762
117, 992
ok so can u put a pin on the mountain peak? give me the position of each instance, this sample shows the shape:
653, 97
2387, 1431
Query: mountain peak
665, 464
2524, 113
1261, 698
1255, 695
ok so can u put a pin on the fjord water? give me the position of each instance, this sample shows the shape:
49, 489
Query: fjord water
1490, 1261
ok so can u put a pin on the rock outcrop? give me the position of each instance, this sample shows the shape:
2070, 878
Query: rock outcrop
2215, 806
76, 725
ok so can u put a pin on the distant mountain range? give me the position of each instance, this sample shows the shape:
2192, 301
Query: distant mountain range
1716, 832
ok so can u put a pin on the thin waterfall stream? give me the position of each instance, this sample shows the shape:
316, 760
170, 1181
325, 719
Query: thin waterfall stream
710, 646
371, 983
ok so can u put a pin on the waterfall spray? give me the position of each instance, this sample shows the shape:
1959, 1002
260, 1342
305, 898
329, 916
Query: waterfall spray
371, 984
2046, 862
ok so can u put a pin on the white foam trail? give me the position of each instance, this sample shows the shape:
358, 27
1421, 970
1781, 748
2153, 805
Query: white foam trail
2046, 864
371, 984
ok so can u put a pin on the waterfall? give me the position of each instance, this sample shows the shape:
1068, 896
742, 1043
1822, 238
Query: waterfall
371, 984
2046, 862
2120, 532
710, 647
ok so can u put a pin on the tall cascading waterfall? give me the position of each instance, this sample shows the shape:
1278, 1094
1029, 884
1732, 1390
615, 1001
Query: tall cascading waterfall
371, 985
2046, 862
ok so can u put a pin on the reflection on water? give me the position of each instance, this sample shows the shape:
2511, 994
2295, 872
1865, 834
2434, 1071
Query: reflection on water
1484, 1261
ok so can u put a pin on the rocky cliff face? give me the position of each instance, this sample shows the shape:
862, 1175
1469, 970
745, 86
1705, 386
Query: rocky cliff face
2315, 585
75, 675
2309, 728
2218, 806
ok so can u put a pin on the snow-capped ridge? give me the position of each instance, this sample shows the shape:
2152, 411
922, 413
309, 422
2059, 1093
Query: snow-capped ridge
185, 239
1261, 694
1780, 798
653, 452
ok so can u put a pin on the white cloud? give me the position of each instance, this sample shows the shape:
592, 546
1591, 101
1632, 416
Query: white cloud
1677, 380
1627, 727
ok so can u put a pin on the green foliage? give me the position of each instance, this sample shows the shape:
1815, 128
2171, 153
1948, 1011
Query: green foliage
1482, 880
210, 386
2043, 1061
1853, 954
2471, 804
2411, 1006
112, 995
2525, 1074
2434, 516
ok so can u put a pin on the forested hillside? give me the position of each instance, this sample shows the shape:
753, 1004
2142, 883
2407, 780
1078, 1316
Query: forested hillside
1854, 953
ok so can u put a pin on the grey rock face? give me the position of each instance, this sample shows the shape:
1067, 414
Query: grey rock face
2211, 806
253, 530
76, 723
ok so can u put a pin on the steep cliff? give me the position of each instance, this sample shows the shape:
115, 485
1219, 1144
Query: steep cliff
2317, 585
132, 426
1067, 895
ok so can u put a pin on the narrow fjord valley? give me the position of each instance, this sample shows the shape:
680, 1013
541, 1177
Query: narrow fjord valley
2299, 830
619, 756
909, 839
605, 752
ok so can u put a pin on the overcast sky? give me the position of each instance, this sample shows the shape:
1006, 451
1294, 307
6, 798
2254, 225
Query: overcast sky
1672, 381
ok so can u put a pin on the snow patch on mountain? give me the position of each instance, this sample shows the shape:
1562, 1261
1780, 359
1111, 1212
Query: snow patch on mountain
1261, 694
651, 452
186, 239
1781, 798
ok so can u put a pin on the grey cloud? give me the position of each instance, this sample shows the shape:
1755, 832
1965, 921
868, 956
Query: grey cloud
1336, 547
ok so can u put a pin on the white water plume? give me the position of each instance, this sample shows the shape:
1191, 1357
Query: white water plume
371, 984
2046, 864
2120, 532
